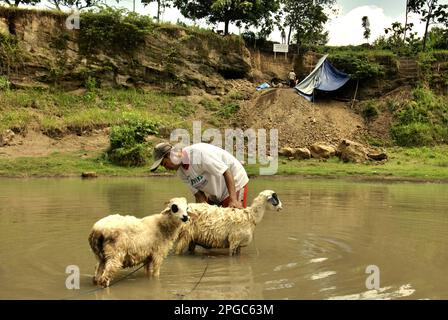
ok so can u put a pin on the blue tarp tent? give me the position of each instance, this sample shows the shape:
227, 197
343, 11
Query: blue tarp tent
324, 77
263, 86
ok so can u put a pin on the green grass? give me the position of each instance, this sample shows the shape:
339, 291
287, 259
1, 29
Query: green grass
64, 111
412, 163
422, 121
415, 164
64, 165
55, 112
16, 120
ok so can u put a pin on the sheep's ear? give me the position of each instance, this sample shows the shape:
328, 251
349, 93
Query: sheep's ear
166, 211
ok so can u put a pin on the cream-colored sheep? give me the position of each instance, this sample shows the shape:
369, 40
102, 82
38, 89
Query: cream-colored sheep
126, 241
217, 227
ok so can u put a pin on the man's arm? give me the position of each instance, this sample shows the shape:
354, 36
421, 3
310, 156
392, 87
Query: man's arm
200, 197
230, 183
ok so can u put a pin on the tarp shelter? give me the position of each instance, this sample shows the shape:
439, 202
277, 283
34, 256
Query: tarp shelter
324, 77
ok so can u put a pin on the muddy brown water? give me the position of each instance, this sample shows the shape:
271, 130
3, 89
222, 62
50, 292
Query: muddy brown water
318, 247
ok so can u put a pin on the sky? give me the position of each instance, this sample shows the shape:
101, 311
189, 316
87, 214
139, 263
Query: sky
344, 28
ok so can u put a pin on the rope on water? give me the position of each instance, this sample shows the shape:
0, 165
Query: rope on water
197, 283
110, 285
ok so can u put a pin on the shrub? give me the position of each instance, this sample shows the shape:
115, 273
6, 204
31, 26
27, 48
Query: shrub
90, 83
370, 111
4, 83
135, 156
426, 61
392, 105
422, 120
10, 54
210, 104
115, 30
358, 66
183, 108
127, 142
414, 134
228, 110
413, 112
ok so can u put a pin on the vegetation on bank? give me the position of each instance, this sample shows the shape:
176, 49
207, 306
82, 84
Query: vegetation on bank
131, 114
421, 164
420, 120
57, 113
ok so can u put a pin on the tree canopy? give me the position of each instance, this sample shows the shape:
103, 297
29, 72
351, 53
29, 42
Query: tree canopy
78, 4
15, 3
431, 12
307, 18
366, 26
249, 12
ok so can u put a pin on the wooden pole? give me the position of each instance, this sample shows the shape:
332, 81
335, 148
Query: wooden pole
356, 92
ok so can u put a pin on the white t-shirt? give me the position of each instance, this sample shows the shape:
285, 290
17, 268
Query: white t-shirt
203, 166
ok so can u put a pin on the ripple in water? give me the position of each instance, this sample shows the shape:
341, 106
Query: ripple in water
322, 275
317, 260
402, 292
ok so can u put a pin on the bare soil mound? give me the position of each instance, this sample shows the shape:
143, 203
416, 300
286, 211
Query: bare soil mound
36, 144
299, 122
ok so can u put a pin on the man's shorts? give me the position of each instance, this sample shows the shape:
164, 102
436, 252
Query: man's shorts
241, 195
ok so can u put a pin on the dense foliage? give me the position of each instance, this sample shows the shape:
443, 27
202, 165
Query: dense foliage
128, 146
423, 120
112, 30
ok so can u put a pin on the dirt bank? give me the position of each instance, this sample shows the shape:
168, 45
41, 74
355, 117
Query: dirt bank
36, 144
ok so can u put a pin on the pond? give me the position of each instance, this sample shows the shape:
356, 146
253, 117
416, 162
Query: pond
318, 247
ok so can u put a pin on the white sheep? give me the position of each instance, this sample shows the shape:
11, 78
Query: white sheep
217, 227
126, 241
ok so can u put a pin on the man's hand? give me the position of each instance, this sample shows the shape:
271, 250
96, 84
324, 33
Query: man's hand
235, 204
230, 183
200, 197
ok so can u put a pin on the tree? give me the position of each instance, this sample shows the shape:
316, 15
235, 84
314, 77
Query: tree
161, 5
395, 40
78, 4
430, 11
15, 3
442, 15
366, 26
249, 12
408, 9
307, 18
438, 38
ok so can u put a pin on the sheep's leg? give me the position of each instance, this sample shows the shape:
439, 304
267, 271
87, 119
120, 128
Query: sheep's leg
233, 251
111, 268
234, 245
98, 271
181, 244
234, 248
191, 247
238, 250
156, 263
148, 266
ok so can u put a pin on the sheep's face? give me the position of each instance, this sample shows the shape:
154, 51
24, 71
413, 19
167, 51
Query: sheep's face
273, 201
178, 208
